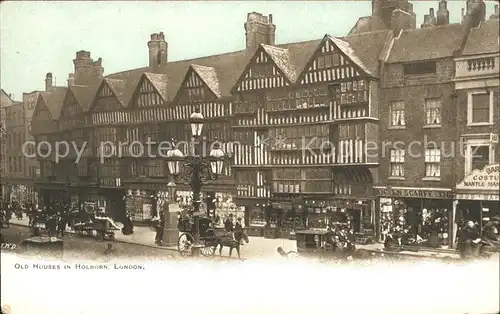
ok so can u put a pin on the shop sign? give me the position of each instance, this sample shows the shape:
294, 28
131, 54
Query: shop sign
478, 197
486, 179
413, 193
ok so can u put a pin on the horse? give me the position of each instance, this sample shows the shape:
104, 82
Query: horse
224, 239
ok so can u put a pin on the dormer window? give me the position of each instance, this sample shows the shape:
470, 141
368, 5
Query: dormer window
420, 68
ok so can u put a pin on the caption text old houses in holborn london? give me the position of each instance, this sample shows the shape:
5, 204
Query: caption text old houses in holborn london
278, 105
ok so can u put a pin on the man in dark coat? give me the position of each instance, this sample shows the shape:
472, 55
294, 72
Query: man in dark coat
490, 230
228, 224
469, 240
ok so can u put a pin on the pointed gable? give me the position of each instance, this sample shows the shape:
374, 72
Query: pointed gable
45, 115
269, 68
200, 84
85, 95
151, 91
107, 96
333, 60
209, 77
71, 107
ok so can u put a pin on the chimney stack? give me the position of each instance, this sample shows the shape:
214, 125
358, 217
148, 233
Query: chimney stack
475, 14
71, 79
86, 70
495, 15
97, 68
429, 19
158, 51
48, 82
259, 29
443, 15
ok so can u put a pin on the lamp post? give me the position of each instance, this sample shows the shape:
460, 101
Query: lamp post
169, 212
196, 170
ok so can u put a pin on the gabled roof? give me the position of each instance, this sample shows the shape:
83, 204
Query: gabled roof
54, 100
346, 49
427, 43
281, 57
159, 82
209, 76
228, 67
483, 39
123, 89
368, 48
84, 95
300, 53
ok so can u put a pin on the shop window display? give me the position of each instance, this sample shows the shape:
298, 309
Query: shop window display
415, 222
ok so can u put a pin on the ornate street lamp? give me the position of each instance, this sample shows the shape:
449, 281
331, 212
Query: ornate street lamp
196, 170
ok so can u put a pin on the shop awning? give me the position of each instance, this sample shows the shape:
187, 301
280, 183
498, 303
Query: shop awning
480, 184
354, 175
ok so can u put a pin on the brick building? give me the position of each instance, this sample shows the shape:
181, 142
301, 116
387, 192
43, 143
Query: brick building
419, 125
6, 101
477, 120
265, 103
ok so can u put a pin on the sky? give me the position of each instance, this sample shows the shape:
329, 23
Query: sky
41, 37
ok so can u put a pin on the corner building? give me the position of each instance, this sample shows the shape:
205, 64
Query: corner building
477, 89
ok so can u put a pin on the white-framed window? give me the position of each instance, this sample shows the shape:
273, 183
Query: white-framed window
397, 162
480, 107
397, 113
433, 162
433, 111
478, 154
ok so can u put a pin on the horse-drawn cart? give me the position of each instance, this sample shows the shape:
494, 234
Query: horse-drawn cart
209, 237
102, 227
207, 240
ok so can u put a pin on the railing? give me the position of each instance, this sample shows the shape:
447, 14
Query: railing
481, 64
477, 67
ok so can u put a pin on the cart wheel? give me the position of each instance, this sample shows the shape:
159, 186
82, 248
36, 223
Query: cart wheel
207, 251
184, 244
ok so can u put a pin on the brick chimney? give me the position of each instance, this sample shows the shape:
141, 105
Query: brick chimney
495, 15
429, 19
97, 68
475, 13
71, 79
86, 70
48, 82
259, 29
158, 51
443, 15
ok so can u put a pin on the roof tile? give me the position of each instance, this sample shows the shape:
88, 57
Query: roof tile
209, 76
483, 39
281, 57
54, 100
427, 43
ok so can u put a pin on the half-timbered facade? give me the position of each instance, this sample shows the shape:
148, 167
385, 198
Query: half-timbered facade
109, 125
52, 185
303, 134
144, 171
75, 129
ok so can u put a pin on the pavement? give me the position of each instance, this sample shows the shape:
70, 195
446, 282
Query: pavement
257, 247
144, 236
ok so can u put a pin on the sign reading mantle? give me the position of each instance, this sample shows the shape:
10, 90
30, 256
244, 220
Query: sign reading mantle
480, 184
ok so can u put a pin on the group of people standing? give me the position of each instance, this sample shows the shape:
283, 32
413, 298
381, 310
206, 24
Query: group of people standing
471, 241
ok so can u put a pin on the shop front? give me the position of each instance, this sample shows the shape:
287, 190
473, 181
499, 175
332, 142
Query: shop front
139, 204
421, 216
478, 197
